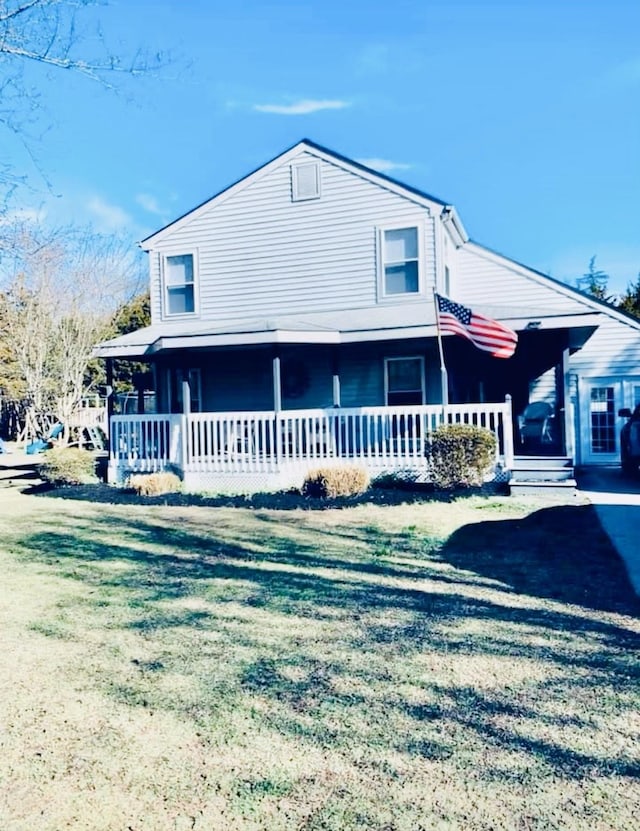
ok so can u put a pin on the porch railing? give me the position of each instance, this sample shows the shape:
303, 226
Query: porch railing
147, 443
387, 438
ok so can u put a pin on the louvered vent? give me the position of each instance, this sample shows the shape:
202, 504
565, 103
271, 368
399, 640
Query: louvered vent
305, 181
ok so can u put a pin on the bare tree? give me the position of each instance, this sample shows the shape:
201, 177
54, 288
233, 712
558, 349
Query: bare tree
59, 293
57, 35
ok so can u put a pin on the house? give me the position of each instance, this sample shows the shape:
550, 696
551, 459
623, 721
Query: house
293, 324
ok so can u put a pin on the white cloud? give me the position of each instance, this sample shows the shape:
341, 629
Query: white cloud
109, 217
149, 203
384, 165
304, 107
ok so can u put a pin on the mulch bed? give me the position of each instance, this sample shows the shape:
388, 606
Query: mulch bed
282, 500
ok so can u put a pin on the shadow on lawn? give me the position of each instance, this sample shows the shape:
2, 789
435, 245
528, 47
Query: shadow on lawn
487, 580
560, 553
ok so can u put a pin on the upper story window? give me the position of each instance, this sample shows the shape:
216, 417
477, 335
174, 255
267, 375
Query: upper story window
400, 265
305, 181
179, 284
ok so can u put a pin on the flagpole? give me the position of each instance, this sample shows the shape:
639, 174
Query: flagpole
444, 380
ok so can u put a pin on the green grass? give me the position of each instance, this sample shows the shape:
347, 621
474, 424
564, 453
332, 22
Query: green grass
466, 665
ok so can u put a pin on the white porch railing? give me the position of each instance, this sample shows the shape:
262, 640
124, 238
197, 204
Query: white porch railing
147, 443
384, 438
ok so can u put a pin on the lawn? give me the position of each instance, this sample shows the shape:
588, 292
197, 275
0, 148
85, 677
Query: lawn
441, 665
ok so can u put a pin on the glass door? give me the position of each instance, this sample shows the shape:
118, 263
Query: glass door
602, 421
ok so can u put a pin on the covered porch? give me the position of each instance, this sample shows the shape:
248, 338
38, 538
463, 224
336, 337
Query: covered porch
251, 451
256, 405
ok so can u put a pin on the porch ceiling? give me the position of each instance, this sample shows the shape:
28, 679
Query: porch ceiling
377, 323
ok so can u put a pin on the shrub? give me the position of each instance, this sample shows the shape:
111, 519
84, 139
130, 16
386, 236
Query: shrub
68, 466
460, 455
329, 482
154, 484
400, 480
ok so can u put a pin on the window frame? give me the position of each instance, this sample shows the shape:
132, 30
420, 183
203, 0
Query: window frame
423, 390
165, 257
395, 297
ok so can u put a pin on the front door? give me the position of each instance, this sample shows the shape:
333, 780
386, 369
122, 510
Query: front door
600, 400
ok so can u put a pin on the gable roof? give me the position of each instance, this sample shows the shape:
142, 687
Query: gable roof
374, 176
600, 306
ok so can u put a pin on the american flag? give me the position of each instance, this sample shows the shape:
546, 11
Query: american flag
483, 332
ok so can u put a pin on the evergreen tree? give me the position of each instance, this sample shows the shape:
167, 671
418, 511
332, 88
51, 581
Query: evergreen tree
595, 282
630, 300
136, 314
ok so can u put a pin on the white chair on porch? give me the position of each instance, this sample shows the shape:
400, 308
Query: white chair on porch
239, 440
535, 424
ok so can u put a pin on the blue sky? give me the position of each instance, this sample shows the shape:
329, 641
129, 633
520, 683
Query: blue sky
524, 115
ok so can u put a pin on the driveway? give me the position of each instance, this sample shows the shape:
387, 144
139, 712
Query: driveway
616, 499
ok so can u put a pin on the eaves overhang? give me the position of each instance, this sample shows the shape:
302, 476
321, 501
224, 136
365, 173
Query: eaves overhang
581, 327
267, 338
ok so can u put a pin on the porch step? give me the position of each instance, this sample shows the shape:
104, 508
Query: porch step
547, 462
542, 476
519, 487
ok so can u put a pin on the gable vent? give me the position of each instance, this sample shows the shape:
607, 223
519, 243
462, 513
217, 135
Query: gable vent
305, 181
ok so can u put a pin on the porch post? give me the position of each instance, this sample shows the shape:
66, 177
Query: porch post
567, 409
277, 388
110, 395
507, 429
335, 369
186, 397
112, 469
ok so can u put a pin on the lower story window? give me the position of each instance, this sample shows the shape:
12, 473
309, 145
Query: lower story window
404, 381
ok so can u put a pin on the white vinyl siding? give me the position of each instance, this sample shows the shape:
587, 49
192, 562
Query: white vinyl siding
543, 388
614, 349
261, 254
484, 281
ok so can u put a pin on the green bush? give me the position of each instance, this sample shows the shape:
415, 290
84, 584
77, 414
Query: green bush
400, 480
154, 484
460, 455
68, 466
329, 482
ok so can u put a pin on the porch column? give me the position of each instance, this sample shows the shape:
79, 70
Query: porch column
567, 408
184, 425
277, 388
335, 369
110, 396
186, 397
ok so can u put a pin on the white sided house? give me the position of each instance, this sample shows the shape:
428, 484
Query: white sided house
293, 326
